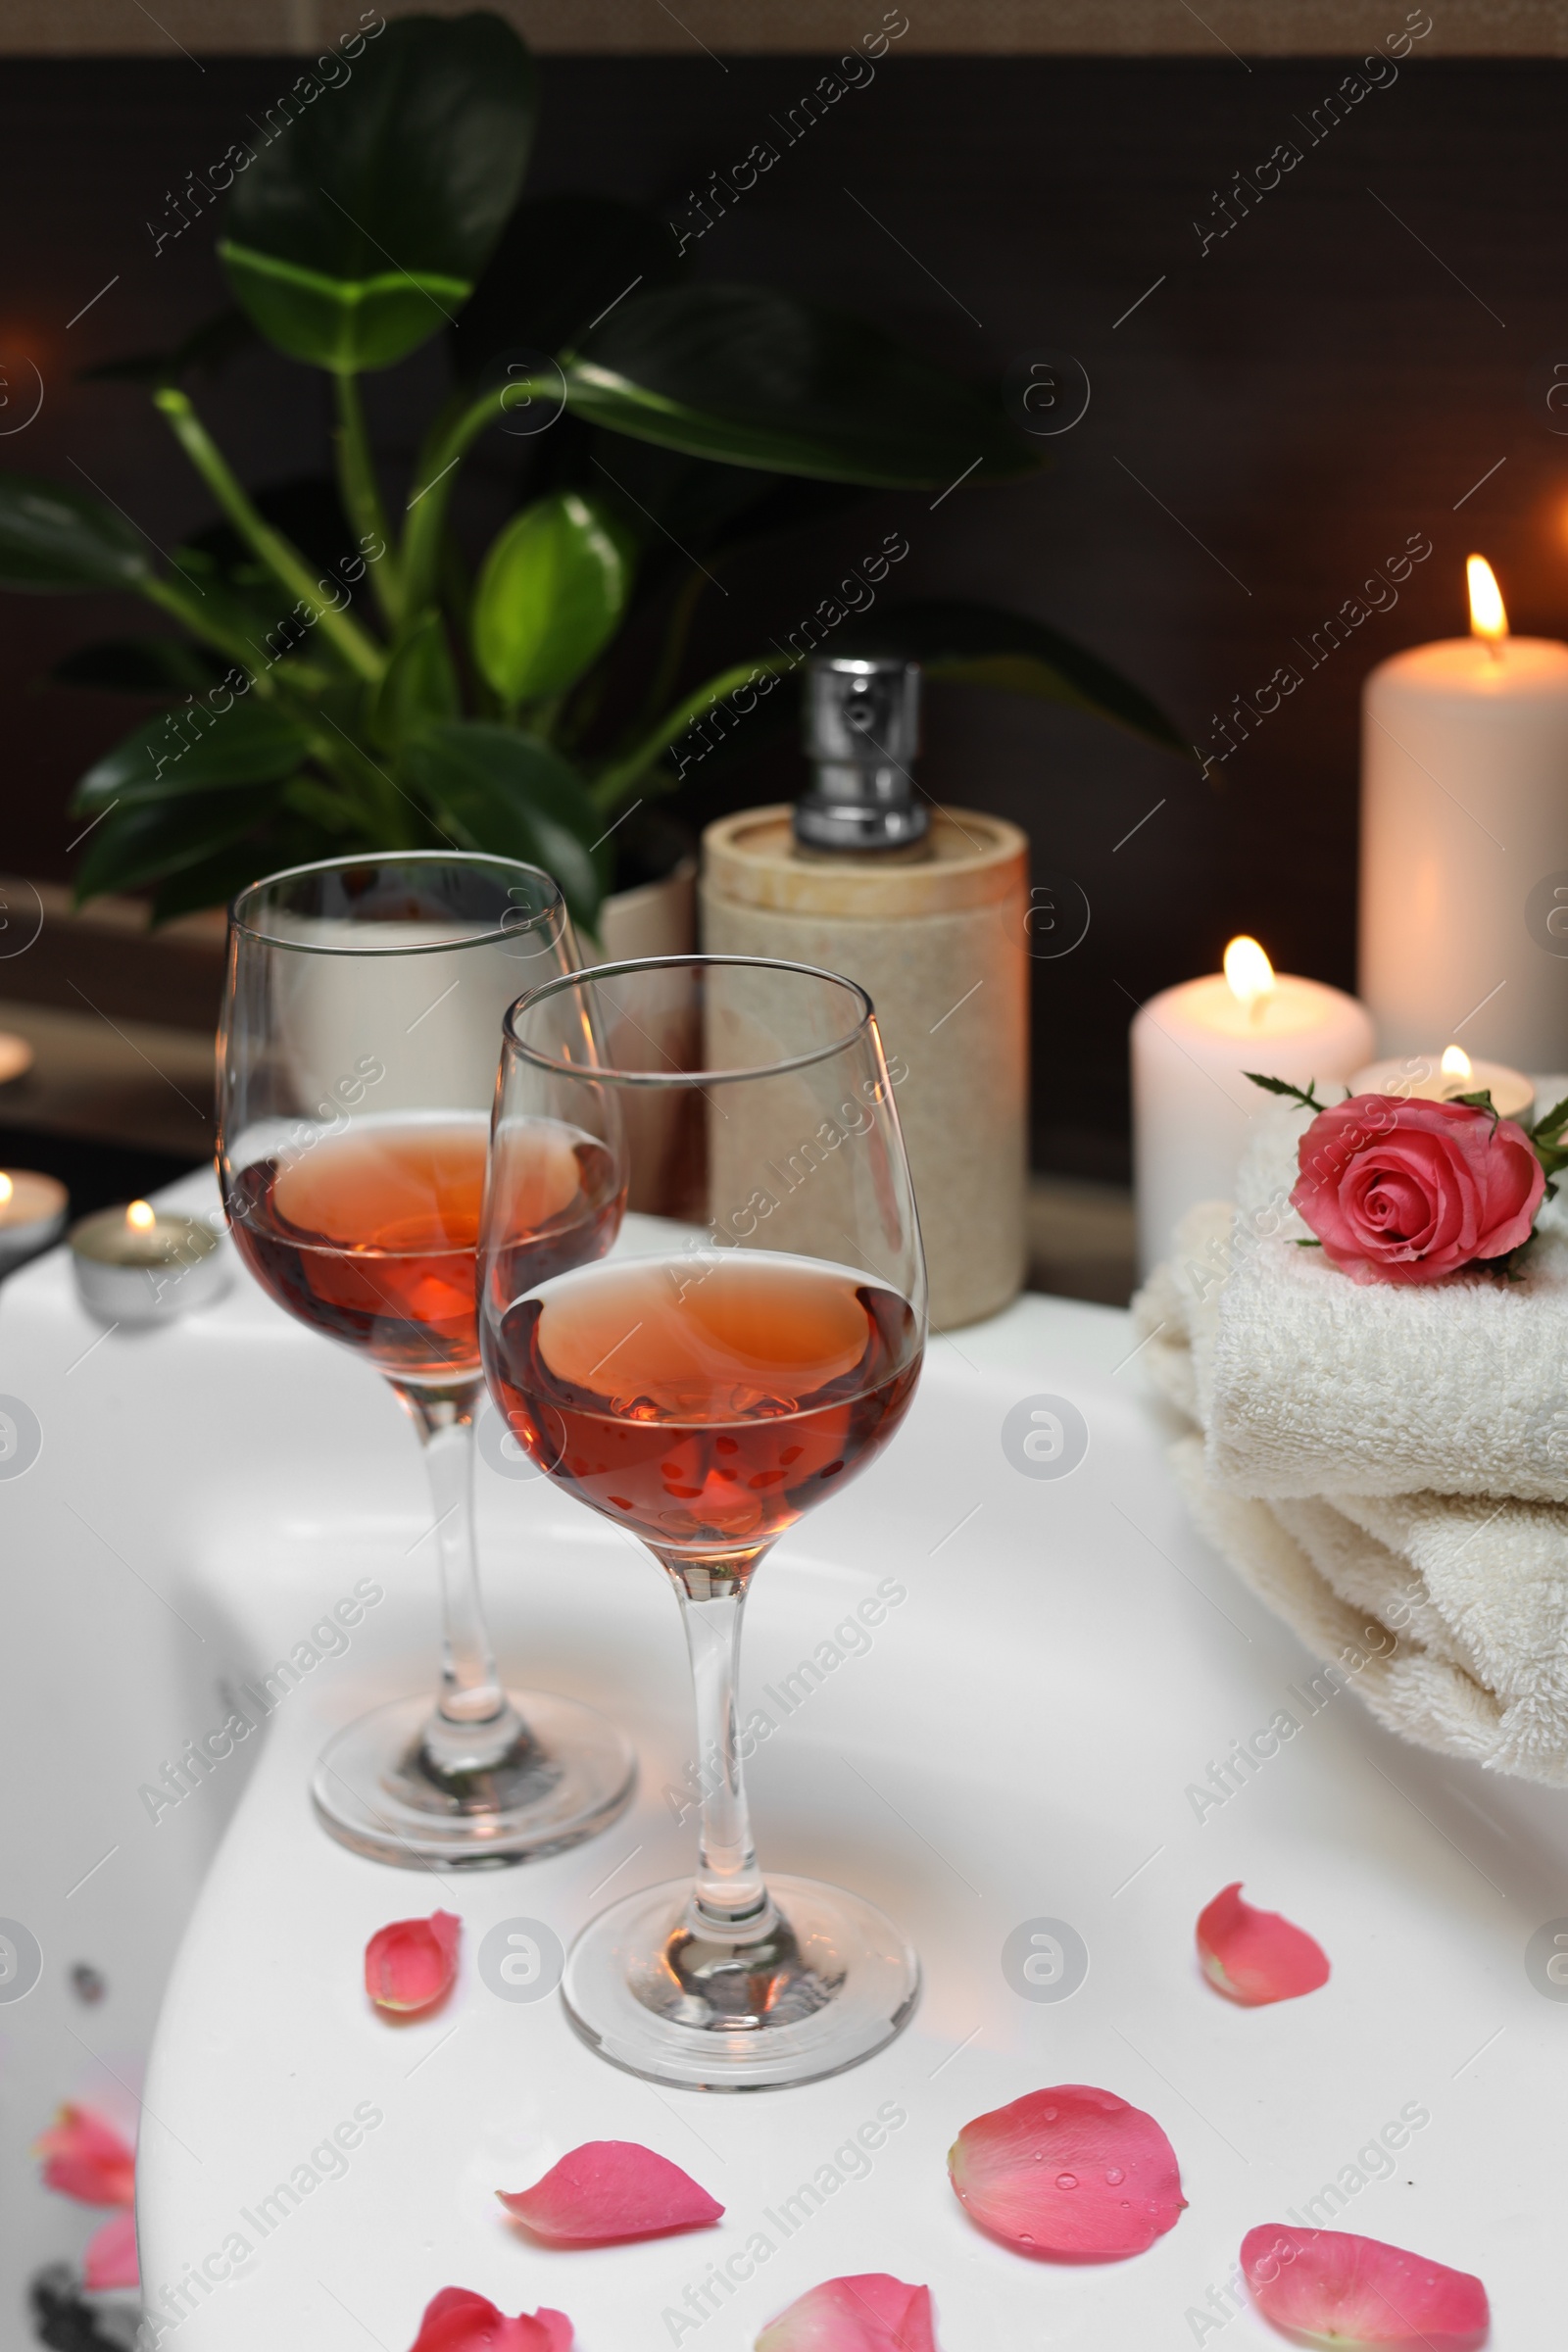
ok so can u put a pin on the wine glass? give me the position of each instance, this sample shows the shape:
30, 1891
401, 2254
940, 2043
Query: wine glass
357, 1074
751, 1344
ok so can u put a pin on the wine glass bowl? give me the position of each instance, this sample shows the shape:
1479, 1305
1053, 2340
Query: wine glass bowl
705, 1408
356, 1076
746, 1351
371, 1238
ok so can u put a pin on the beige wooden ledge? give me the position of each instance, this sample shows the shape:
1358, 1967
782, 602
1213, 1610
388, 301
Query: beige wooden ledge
1257, 29
103, 958
108, 1081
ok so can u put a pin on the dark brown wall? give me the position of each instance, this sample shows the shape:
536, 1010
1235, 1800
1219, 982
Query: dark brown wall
1294, 404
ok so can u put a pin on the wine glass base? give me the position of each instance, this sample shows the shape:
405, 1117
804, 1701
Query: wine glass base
576, 1774
852, 1990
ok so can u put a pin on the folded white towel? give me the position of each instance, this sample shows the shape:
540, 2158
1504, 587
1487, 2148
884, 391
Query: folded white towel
1315, 1383
1449, 1614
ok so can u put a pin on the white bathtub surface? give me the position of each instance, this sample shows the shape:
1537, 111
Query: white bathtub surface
1015, 1741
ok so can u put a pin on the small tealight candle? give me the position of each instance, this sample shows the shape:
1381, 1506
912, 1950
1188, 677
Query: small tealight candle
32, 1214
1193, 1103
141, 1265
1441, 1078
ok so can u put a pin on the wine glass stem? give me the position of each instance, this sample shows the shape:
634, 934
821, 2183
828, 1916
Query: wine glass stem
471, 1698
730, 1894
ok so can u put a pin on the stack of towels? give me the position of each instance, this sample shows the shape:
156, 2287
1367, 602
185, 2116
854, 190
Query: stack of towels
1385, 1466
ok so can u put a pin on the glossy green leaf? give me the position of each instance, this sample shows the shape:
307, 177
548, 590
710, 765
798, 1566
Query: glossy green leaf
161, 666
53, 538
214, 879
510, 794
359, 230
550, 596
758, 379
561, 262
257, 615
138, 844
326, 809
193, 751
978, 645
420, 684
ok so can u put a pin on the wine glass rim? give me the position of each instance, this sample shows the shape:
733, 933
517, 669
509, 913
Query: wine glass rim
609, 1075
506, 929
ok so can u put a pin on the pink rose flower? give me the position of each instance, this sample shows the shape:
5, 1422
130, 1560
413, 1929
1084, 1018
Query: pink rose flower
1401, 1190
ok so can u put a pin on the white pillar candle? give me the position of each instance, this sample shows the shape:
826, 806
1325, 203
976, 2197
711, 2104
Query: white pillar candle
1441, 1077
1192, 1102
1464, 842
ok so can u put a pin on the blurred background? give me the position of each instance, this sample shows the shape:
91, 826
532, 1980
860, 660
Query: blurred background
1285, 391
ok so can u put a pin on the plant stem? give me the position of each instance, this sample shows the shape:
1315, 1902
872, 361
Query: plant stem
378, 800
449, 438
682, 613
186, 609
615, 782
361, 494
281, 558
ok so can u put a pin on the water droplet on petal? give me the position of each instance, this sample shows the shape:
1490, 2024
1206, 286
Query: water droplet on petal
1051, 2114
1067, 2180
1115, 2177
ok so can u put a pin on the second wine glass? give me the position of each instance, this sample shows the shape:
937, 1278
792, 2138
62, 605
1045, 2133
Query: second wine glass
357, 1074
747, 1348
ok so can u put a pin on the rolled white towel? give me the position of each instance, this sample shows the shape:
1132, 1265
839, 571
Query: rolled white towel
1447, 1614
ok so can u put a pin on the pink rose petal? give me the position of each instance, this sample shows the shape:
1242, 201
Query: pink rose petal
1072, 2172
459, 2321
1339, 2289
86, 2158
410, 1964
1257, 1956
111, 2256
868, 2313
610, 2188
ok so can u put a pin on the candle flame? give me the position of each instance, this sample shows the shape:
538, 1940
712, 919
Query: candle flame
141, 1216
1250, 973
1487, 620
1455, 1062
7, 1188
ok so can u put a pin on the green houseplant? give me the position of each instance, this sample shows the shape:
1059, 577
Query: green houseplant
341, 677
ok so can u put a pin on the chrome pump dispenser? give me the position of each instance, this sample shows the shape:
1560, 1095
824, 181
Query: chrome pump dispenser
860, 730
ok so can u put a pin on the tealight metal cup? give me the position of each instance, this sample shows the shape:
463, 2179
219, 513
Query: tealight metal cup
133, 1275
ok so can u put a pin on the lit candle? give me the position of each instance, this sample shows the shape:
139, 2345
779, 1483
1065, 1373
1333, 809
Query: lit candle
1464, 840
1443, 1077
1191, 1100
32, 1214
140, 1265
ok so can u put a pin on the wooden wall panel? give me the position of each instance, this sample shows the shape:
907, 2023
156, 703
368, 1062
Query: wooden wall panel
776, 28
